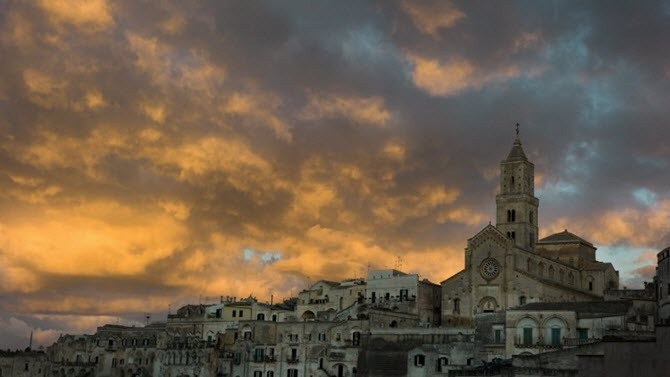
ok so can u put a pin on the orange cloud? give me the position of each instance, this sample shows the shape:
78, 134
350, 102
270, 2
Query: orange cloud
366, 110
86, 15
430, 18
454, 76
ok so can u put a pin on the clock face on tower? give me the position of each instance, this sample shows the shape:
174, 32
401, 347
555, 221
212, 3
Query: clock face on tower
489, 269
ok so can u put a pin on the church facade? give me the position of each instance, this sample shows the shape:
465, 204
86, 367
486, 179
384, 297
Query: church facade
507, 266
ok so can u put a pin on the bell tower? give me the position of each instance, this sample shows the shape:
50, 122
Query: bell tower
516, 205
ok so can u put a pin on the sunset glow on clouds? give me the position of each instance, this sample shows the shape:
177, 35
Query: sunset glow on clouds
159, 153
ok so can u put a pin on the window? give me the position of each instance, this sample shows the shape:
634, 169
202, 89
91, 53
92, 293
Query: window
513, 215
373, 298
387, 296
274, 318
271, 374
590, 285
497, 336
551, 272
234, 313
457, 306
531, 239
356, 338
583, 334
111, 343
260, 317
241, 313
530, 217
513, 235
556, 336
25, 367
522, 300
338, 337
259, 354
442, 362
114, 362
258, 373
527, 336
340, 370
403, 294
470, 361
529, 265
292, 373
419, 360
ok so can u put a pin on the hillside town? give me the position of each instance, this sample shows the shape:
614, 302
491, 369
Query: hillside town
521, 306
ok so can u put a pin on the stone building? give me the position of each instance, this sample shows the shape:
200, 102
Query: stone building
295, 349
662, 281
506, 266
328, 297
23, 364
549, 326
401, 292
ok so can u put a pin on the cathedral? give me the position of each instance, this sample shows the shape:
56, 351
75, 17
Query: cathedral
506, 266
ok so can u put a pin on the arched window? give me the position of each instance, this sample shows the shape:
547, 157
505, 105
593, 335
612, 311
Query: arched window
513, 215
555, 329
260, 317
394, 324
522, 300
540, 269
526, 332
419, 360
551, 272
571, 278
340, 370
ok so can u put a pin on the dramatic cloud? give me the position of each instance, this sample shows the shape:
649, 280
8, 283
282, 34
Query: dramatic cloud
158, 153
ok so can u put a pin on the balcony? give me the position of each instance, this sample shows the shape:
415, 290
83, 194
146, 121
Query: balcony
270, 359
292, 360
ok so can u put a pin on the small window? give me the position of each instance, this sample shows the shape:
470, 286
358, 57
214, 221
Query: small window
457, 306
292, 373
522, 300
497, 336
258, 373
442, 362
470, 361
356, 338
274, 318
25, 367
234, 313
419, 360
590, 285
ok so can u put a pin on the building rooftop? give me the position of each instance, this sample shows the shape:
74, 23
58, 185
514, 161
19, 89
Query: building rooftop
564, 237
588, 307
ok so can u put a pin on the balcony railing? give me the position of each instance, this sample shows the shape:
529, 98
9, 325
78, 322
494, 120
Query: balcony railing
292, 360
574, 342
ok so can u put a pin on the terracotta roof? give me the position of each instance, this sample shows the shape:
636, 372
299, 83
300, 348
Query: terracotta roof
564, 237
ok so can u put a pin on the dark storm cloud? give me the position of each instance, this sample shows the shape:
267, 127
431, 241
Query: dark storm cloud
156, 152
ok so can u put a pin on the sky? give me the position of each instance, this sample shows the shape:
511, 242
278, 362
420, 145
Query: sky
159, 153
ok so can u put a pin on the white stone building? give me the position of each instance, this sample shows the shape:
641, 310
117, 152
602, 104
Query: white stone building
401, 292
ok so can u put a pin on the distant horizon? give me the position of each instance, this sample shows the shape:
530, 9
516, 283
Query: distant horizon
152, 153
